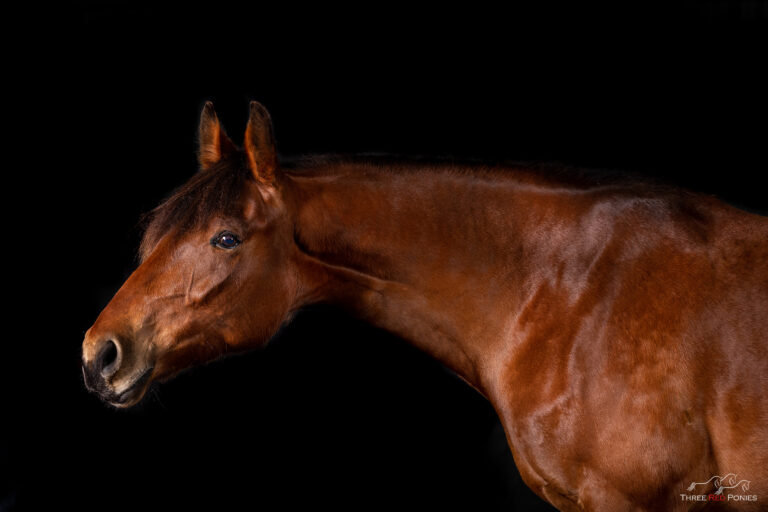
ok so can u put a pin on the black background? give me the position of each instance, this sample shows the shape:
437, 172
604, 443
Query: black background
333, 413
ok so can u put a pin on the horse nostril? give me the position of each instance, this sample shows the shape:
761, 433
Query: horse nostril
108, 359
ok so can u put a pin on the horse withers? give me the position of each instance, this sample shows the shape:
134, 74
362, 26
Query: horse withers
588, 309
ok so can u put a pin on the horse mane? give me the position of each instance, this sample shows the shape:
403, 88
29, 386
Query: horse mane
554, 173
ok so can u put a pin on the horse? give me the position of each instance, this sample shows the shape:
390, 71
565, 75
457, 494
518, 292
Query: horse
743, 483
717, 480
617, 325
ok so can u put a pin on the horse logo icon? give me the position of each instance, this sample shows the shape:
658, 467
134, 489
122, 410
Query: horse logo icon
743, 483
718, 481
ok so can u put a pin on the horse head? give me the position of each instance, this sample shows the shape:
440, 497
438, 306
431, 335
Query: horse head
216, 271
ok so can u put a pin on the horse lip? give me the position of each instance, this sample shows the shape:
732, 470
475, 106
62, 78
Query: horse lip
137, 386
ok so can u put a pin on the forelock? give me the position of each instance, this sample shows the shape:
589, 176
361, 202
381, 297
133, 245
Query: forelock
211, 192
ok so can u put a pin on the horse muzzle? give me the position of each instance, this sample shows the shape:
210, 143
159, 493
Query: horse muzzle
100, 374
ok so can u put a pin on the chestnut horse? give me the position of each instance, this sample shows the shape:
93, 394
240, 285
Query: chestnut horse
619, 328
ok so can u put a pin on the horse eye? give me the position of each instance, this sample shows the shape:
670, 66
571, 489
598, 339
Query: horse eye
225, 240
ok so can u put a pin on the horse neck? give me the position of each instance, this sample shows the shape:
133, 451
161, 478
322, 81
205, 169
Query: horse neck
440, 257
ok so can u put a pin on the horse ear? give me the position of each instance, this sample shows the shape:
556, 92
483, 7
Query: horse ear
260, 144
214, 143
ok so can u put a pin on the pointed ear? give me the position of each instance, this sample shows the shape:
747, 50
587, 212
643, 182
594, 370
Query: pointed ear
260, 144
214, 143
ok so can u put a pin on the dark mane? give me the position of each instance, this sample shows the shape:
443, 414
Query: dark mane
210, 192
547, 172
